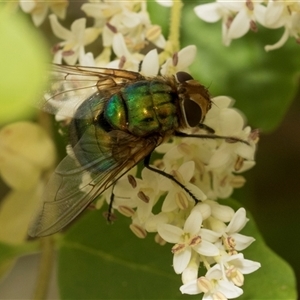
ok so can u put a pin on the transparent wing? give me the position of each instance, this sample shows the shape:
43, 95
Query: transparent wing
73, 187
69, 86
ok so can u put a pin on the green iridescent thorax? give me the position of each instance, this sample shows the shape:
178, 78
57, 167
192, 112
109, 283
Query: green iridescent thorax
142, 108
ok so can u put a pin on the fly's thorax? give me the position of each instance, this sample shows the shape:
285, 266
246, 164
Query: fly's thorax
194, 100
143, 108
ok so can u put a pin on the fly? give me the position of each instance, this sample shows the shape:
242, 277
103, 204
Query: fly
116, 119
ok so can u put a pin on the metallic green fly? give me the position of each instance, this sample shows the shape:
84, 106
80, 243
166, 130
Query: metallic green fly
116, 119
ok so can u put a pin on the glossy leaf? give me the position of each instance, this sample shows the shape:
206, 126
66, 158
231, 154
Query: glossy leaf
262, 83
275, 279
101, 261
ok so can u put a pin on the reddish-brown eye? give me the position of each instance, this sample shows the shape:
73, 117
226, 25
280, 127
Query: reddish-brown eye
193, 112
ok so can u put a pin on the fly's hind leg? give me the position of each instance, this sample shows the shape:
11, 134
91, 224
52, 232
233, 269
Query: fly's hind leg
169, 176
109, 215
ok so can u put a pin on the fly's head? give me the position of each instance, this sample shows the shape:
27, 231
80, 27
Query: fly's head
194, 100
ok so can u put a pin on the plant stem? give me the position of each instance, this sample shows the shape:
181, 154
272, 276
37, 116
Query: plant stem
45, 267
174, 34
173, 43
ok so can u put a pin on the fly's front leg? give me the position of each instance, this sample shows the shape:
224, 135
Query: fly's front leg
169, 176
228, 139
206, 128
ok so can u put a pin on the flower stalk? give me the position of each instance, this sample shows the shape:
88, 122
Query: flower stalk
45, 268
173, 42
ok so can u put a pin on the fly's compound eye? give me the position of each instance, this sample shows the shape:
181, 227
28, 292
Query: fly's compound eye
192, 112
194, 99
183, 77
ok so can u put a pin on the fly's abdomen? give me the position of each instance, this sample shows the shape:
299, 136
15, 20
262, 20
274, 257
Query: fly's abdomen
142, 108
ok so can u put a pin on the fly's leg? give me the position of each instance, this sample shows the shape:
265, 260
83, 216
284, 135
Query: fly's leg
206, 128
228, 139
109, 215
169, 176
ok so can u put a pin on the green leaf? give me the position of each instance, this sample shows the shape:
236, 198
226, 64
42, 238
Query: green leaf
262, 83
101, 261
275, 279
23, 63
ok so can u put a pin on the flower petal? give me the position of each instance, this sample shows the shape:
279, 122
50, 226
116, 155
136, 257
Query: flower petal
181, 260
239, 26
242, 241
190, 288
228, 289
193, 223
170, 233
245, 266
207, 248
59, 30
150, 64
169, 203
187, 170
238, 221
210, 12
186, 57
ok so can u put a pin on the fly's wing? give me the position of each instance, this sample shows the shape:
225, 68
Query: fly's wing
73, 187
69, 86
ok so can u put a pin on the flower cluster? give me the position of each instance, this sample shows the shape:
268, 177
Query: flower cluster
205, 237
239, 17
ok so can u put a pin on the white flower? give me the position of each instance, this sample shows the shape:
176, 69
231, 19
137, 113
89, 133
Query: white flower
146, 193
233, 240
213, 12
177, 197
150, 64
179, 61
283, 14
125, 59
74, 39
39, 9
166, 3
191, 271
238, 17
128, 19
187, 240
135, 197
214, 286
235, 266
247, 13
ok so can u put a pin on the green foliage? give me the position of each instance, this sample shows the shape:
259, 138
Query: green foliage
101, 261
262, 83
275, 279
